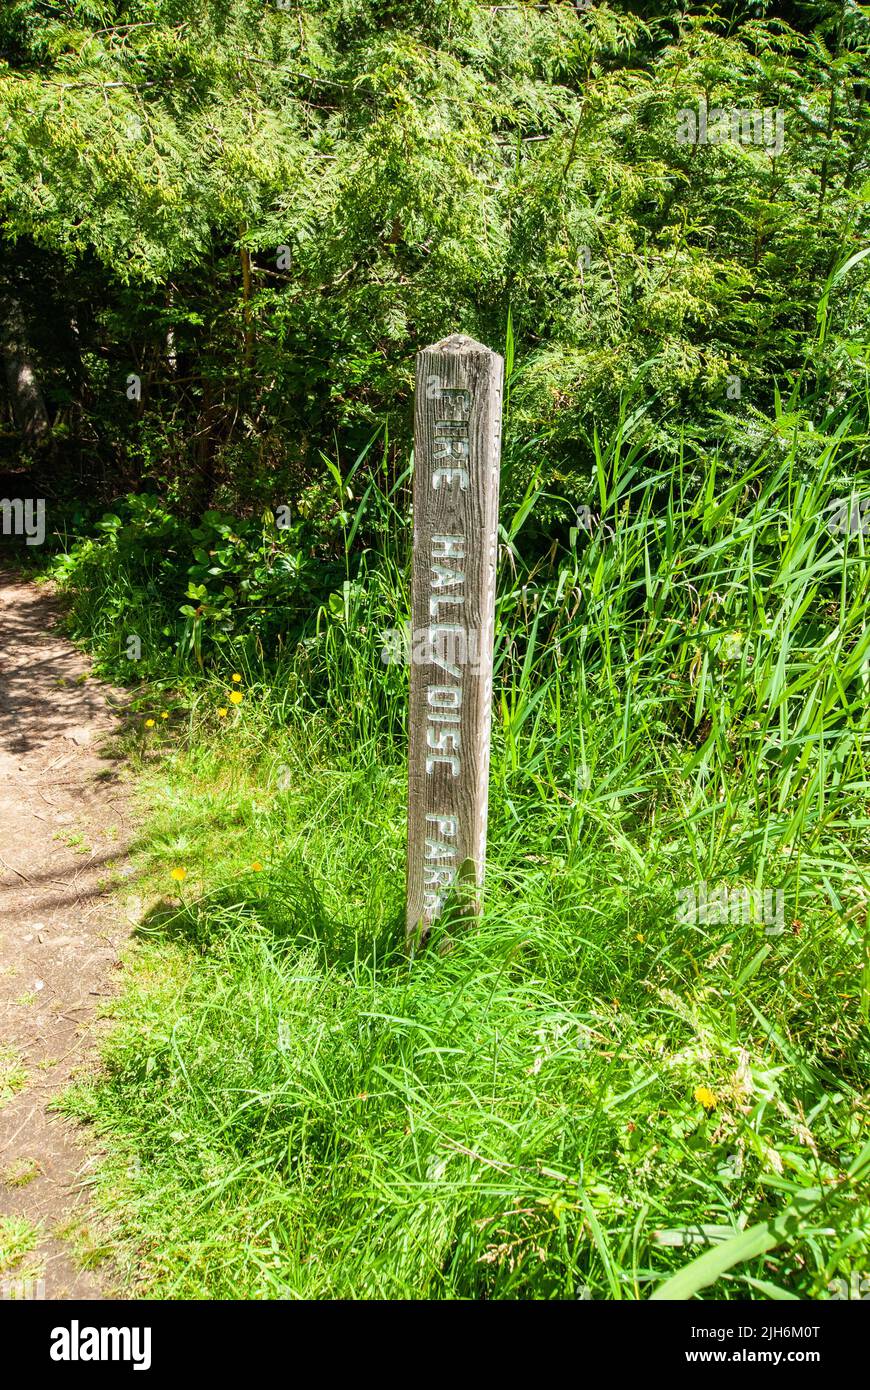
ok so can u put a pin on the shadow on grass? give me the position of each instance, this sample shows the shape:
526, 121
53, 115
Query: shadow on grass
284, 909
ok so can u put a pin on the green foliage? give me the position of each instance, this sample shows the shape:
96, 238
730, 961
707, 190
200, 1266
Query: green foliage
430, 168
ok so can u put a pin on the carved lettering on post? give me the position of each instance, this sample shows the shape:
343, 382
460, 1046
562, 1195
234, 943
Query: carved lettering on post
456, 477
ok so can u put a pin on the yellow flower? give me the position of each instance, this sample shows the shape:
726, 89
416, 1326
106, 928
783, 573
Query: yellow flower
179, 875
257, 866
164, 715
149, 723
704, 1096
237, 680
639, 936
223, 712
236, 698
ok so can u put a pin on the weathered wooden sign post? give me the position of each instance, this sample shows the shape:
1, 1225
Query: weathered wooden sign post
456, 477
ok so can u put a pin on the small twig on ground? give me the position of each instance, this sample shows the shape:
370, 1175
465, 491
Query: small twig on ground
13, 870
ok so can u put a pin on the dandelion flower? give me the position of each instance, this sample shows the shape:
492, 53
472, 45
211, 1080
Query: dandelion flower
257, 866
179, 875
236, 678
223, 712
149, 723
236, 698
704, 1096
164, 715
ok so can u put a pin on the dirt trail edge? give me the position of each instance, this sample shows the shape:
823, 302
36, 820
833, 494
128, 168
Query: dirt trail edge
64, 829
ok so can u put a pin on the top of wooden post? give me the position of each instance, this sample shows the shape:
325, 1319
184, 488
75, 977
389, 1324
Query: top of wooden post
460, 342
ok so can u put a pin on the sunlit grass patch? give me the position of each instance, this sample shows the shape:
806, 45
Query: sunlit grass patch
18, 1238
13, 1075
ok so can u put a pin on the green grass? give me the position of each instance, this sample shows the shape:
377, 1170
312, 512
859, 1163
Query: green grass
18, 1237
293, 1108
13, 1076
20, 1172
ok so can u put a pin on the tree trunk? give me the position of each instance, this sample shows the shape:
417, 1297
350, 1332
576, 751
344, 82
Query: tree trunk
22, 381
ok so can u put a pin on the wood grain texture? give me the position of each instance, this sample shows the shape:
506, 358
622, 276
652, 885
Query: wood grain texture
456, 480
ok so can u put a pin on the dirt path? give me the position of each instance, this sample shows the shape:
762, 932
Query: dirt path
63, 835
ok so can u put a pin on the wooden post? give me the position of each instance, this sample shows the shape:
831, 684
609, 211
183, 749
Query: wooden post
456, 477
